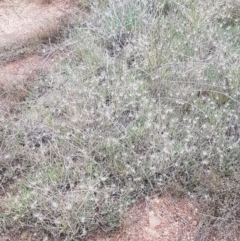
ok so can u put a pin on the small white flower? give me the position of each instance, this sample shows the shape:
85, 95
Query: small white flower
68, 206
54, 204
205, 162
205, 153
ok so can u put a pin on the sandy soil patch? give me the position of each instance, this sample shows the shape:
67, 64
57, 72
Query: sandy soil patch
160, 218
26, 21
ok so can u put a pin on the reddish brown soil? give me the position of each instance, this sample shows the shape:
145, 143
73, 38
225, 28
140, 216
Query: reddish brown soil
22, 70
17, 77
162, 219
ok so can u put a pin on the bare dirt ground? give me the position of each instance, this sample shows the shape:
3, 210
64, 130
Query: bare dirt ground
16, 78
25, 21
159, 218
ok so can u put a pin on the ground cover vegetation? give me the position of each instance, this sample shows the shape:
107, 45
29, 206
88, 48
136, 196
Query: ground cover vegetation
147, 102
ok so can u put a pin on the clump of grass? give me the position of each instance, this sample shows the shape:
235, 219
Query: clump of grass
149, 99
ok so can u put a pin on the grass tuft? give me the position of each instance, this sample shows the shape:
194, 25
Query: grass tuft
148, 102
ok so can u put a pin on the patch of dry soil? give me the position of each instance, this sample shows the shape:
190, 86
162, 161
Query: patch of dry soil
26, 21
159, 218
16, 78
